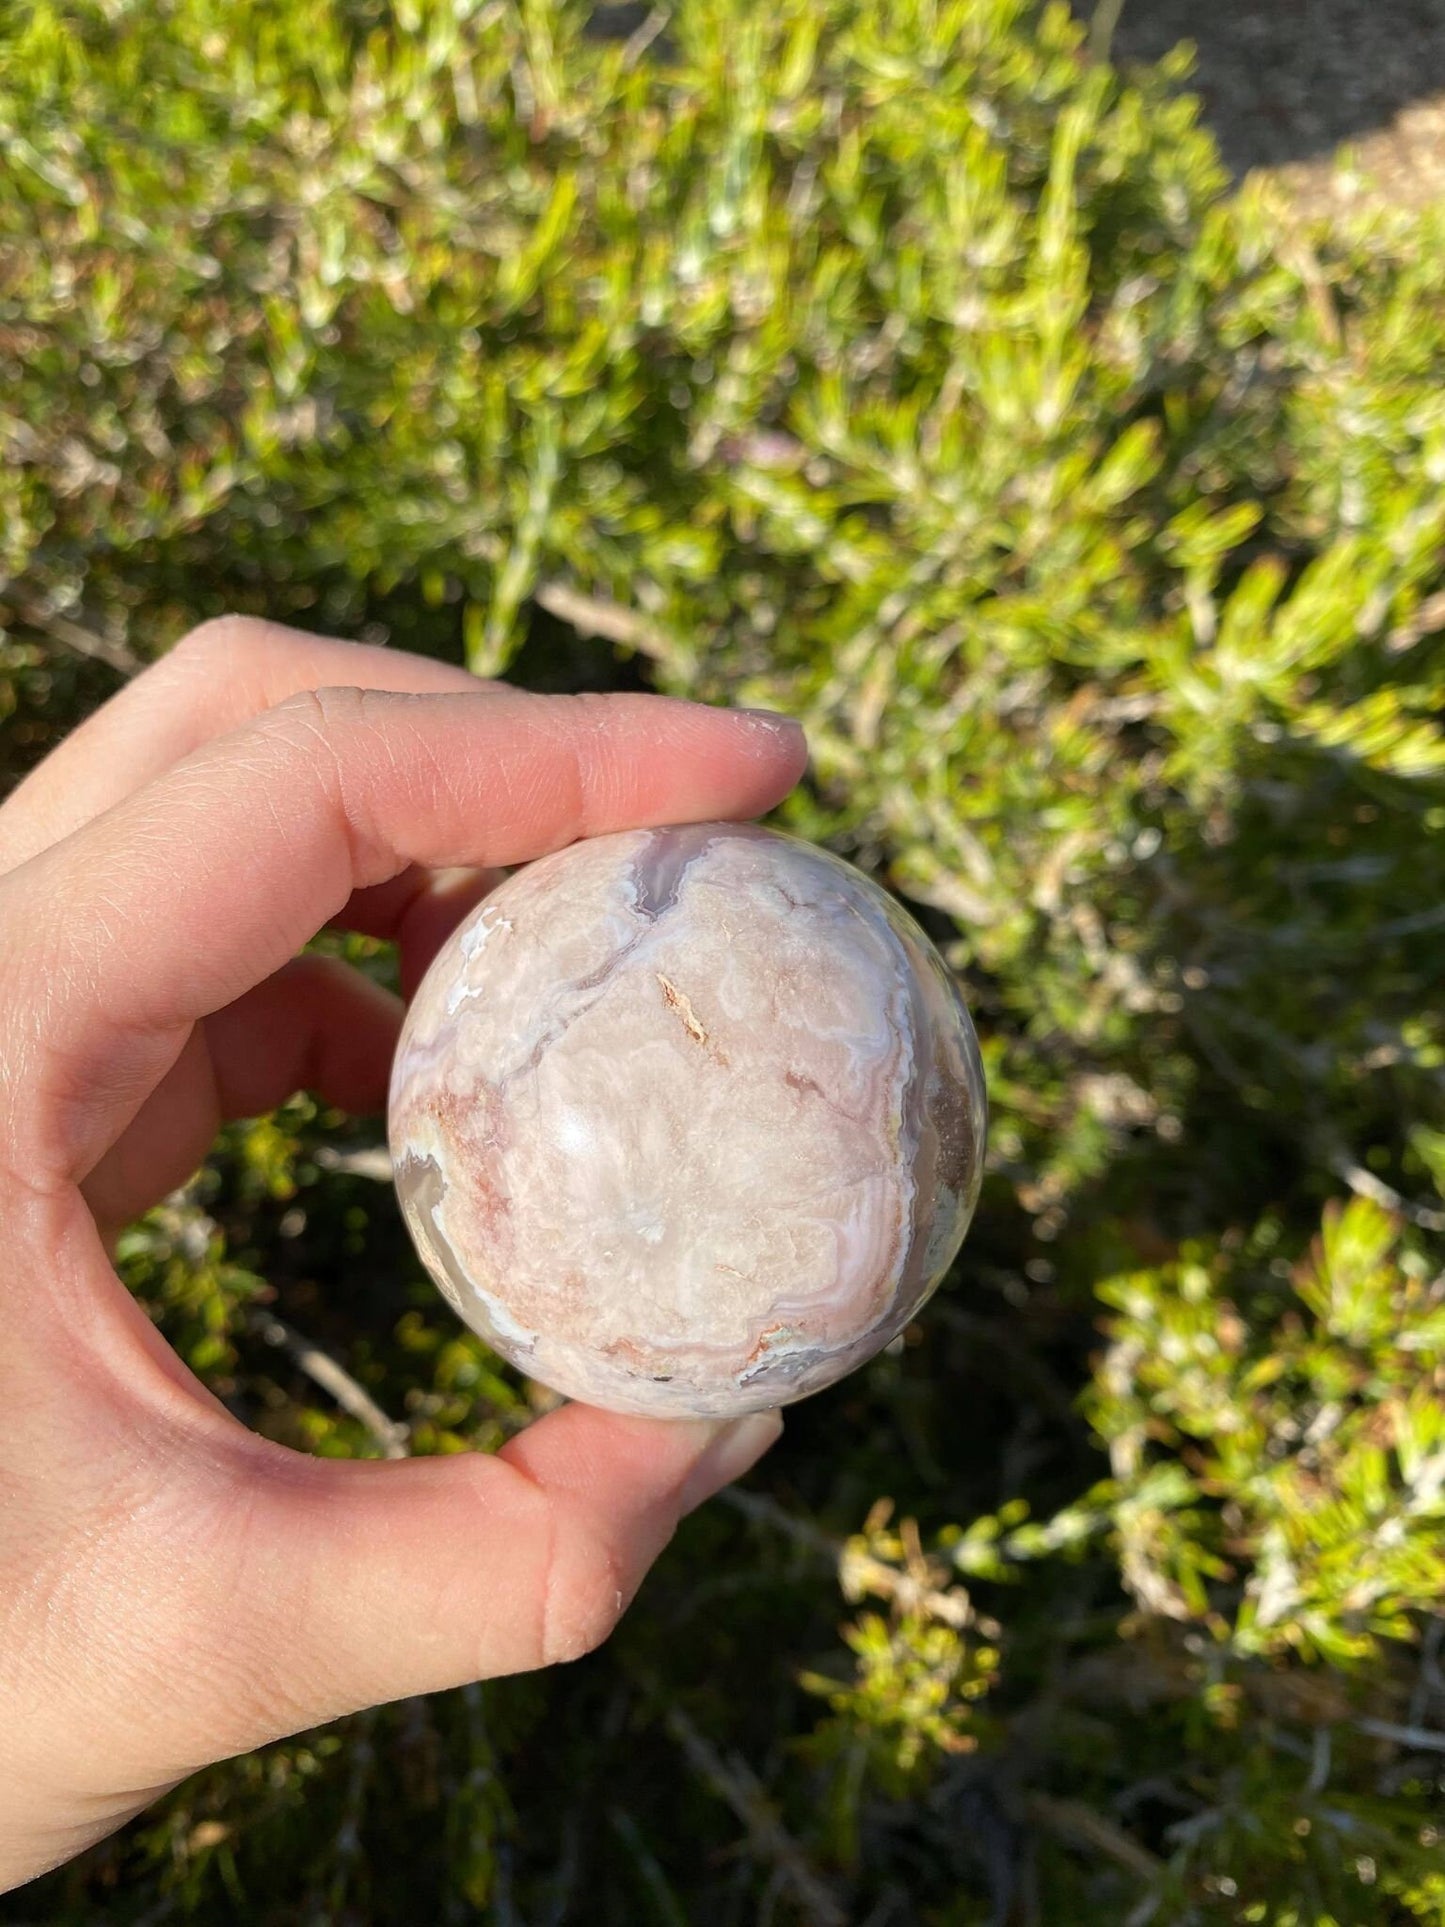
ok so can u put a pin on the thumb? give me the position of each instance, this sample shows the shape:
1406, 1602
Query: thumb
385, 1579
436, 1571
178, 1590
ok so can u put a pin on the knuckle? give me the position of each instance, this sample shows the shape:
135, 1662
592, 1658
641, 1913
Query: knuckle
329, 706
594, 707
590, 720
290, 725
587, 1589
584, 771
225, 637
302, 706
308, 714
345, 703
324, 733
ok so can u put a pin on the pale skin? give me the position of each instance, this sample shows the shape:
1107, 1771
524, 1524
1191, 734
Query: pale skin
173, 1588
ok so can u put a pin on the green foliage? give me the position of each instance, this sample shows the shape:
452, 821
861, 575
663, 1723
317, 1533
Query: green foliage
1308, 1451
887, 361
918, 1676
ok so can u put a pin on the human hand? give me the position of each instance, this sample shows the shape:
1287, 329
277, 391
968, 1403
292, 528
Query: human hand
174, 1589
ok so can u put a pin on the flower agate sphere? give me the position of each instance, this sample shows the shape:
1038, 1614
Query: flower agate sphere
688, 1121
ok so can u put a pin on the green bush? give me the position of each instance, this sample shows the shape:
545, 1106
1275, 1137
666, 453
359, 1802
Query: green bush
889, 362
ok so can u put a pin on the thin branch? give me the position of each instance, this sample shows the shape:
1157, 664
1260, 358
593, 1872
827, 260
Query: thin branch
1035, 1377
1320, 1762
739, 1788
1074, 1821
642, 37
659, 1889
374, 1163
85, 642
1365, 1184
353, 1811
1424, 1739
1102, 28
1300, 256
323, 1370
859, 1573
1429, 1680
1429, 617
590, 616
767, 1512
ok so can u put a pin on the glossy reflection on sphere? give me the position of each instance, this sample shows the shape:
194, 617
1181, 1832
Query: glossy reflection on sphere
688, 1121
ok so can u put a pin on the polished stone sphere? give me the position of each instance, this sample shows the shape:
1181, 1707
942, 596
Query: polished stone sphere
688, 1122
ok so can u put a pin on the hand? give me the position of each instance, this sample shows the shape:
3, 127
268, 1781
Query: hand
174, 1589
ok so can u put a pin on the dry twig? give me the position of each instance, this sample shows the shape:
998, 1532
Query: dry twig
1429, 617
859, 1573
1072, 1820
1365, 1184
738, 1787
590, 616
1102, 28
642, 36
367, 1163
85, 642
334, 1379
1423, 1739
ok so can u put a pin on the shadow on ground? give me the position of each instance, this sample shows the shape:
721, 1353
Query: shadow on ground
1285, 81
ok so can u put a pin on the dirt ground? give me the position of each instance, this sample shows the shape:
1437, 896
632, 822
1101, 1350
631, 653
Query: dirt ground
1286, 83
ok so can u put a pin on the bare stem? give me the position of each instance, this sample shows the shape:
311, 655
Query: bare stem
334, 1379
1074, 1821
642, 37
590, 616
739, 1788
1102, 28
366, 1163
859, 1573
1365, 1184
85, 642
1424, 1739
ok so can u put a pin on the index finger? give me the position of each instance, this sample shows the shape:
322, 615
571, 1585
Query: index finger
213, 680
176, 901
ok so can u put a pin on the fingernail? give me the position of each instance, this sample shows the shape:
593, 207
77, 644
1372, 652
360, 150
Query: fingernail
736, 1446
773, 720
